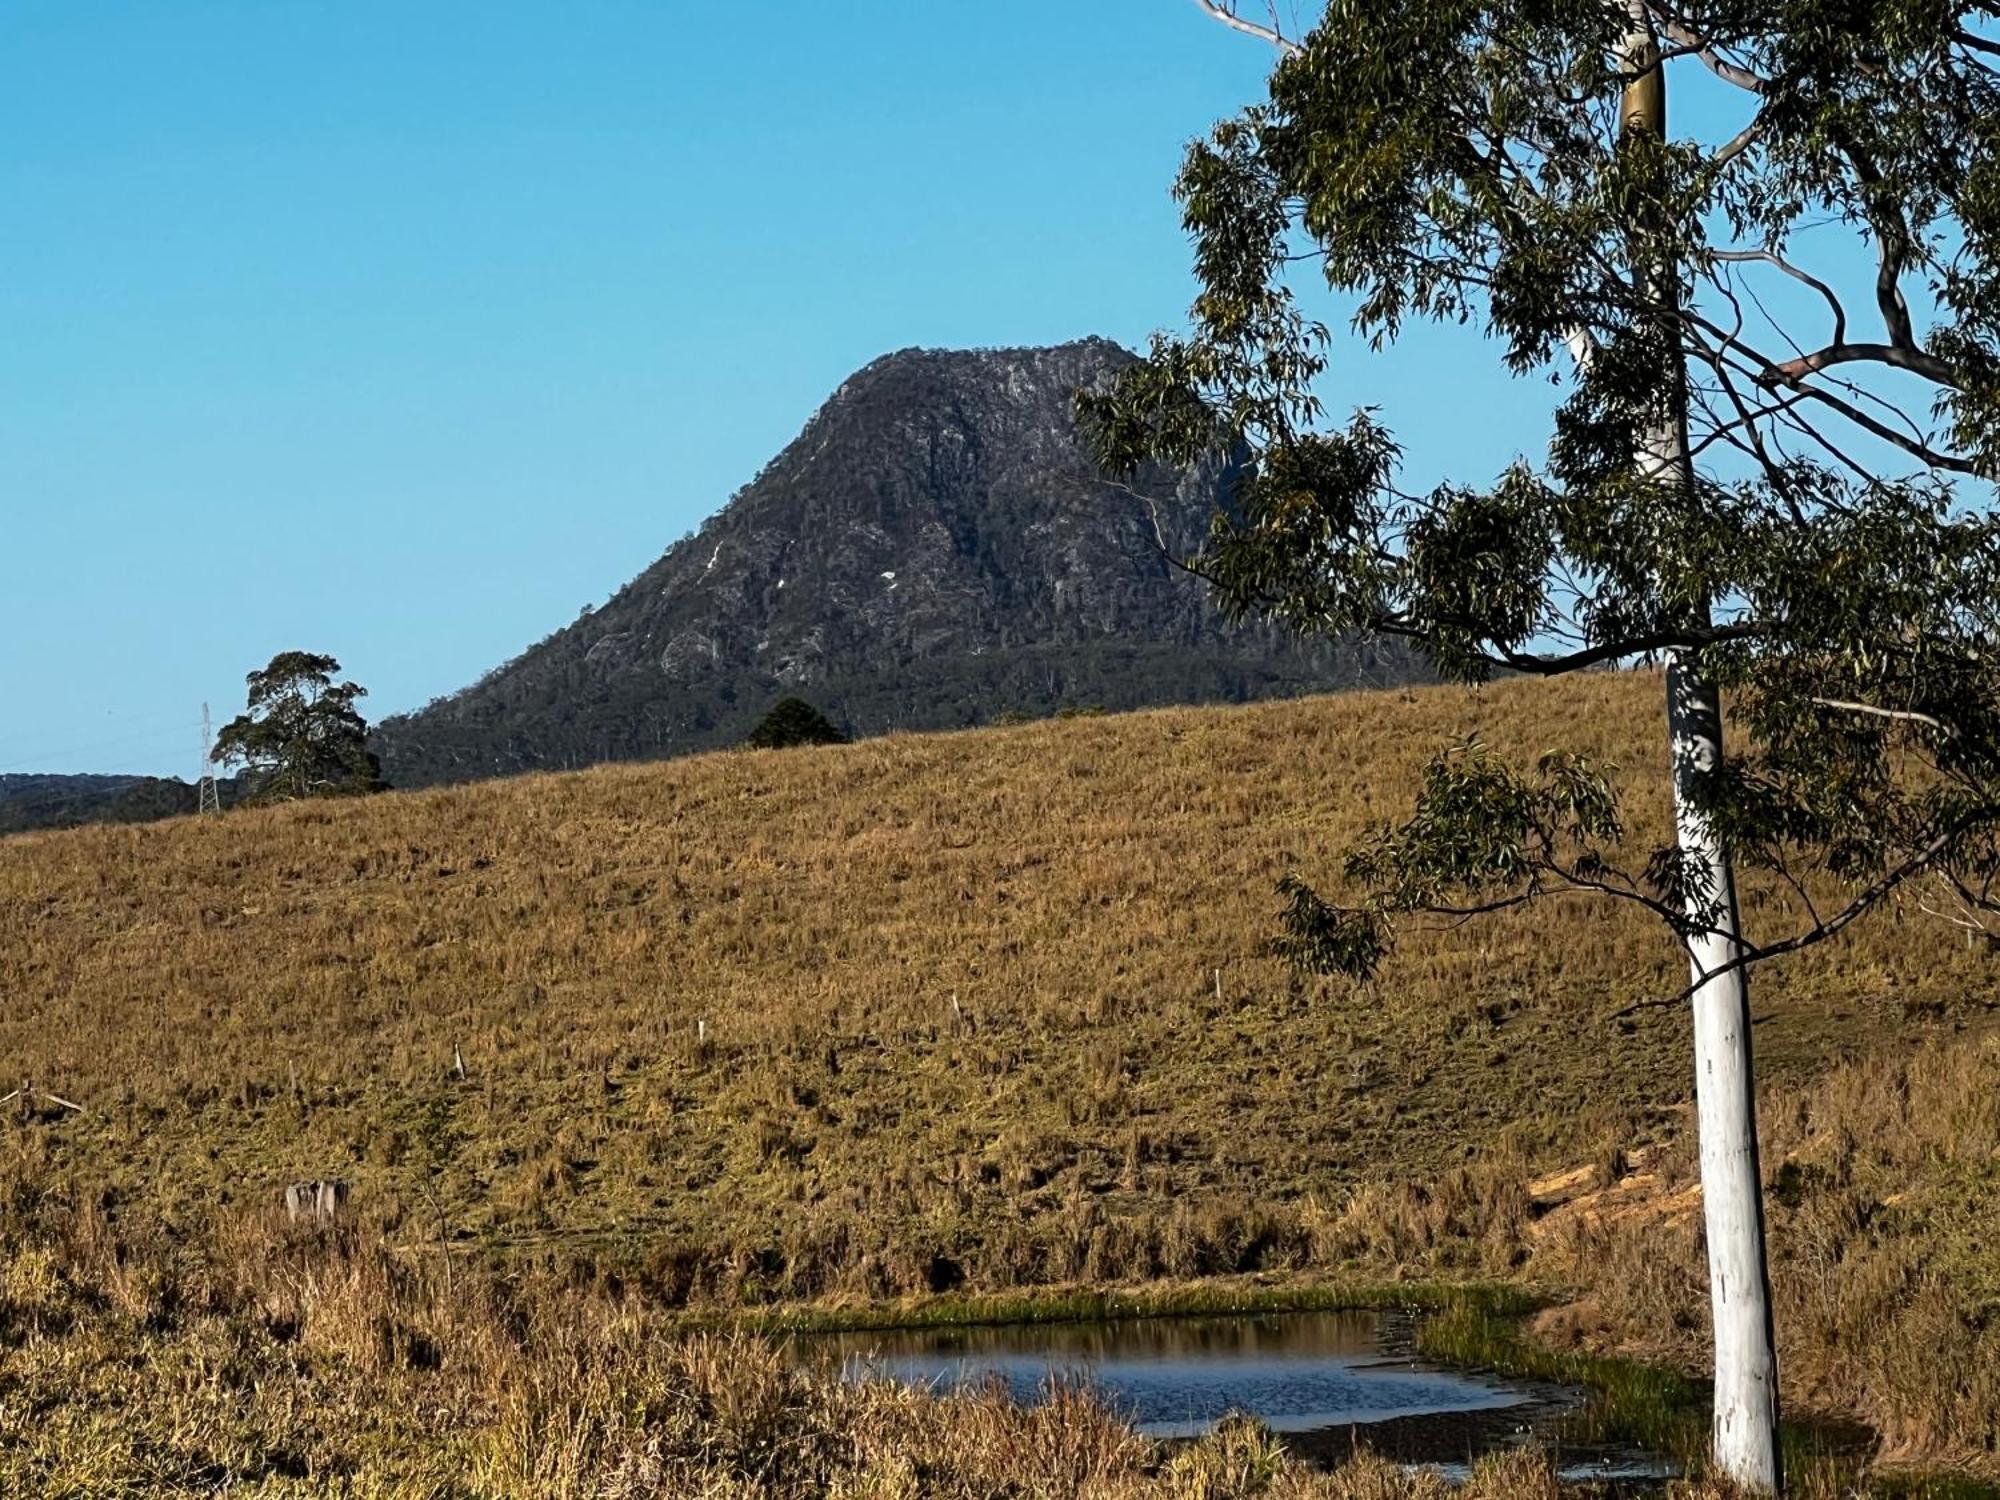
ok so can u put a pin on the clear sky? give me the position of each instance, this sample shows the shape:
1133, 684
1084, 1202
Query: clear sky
401, 331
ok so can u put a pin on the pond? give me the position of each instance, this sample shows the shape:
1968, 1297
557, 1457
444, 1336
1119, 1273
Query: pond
1325, 1380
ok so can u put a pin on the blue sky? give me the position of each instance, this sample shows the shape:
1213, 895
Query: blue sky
401, 331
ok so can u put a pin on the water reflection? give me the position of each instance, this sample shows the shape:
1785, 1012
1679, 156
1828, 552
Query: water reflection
1175, 1377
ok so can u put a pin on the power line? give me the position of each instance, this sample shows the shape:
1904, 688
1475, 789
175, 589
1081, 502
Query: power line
110, 721
36, 762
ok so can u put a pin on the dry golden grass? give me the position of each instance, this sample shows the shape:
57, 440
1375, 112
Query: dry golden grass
1884, 1190
978, 1010
953, 982
276, 1363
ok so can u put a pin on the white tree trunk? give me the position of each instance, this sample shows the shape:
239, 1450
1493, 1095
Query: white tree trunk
1739, 1285
1745, 1448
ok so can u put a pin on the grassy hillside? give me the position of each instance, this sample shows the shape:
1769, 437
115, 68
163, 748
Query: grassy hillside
966, 1012
955, 979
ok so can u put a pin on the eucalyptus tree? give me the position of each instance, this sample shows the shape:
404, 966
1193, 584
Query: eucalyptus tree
300, 735
1776, 338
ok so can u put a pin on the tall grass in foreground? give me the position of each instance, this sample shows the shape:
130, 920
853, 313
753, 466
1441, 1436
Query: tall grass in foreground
140, 1357
290, 1364
967, 1017
270, 1361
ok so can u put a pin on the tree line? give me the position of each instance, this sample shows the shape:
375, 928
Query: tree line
301, 734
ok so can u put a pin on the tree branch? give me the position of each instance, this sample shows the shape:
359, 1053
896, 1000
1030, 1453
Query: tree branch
1819, 932
1682, 34
1903, 714
1638, 645
1738, 143
1892, 244
1765, 365
1977, 43
1225, 12
1772, 258
1902, 357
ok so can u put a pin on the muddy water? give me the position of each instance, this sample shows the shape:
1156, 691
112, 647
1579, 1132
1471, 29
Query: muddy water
1324, 1380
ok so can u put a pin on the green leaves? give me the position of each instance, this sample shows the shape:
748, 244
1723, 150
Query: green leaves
1738, 472
1476, 572
302, 735
1309, 540
1323, 939
1481, 836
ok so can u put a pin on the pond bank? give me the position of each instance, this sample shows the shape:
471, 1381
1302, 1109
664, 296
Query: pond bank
1472, 1327
1324, 1383
1170, 1300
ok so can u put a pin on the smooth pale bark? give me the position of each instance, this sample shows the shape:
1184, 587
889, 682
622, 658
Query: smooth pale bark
1745, 1441
1739, 1284
1746, 1363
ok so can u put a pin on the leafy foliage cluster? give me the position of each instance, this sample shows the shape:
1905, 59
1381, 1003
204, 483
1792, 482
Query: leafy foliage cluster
793, 721
301, 735
1796, 508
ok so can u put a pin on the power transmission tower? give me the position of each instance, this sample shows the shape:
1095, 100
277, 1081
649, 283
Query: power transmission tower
207, 799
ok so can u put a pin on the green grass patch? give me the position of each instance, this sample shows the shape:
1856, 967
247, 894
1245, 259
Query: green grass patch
1628, 1402
1092, 1305
1665, 1412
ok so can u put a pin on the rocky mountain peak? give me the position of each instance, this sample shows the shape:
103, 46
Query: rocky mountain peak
934, 549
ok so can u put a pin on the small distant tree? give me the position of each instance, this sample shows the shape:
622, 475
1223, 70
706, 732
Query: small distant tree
301, 735
793, 721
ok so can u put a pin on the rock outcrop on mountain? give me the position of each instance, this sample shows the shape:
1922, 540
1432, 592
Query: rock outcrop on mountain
935, 549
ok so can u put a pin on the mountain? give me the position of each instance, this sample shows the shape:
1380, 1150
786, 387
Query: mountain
934, 550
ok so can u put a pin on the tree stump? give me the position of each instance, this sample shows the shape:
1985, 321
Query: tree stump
319, 1201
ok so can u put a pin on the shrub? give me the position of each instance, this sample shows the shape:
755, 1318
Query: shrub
793, 721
